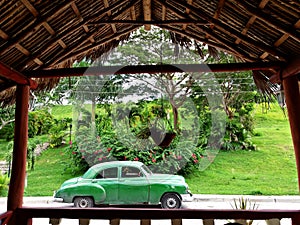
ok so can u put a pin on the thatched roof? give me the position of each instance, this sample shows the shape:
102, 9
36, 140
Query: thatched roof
38, 34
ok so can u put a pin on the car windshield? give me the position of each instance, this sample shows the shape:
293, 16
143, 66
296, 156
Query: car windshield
147, 170
91, 173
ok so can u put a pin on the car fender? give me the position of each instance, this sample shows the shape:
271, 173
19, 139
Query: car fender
94, 190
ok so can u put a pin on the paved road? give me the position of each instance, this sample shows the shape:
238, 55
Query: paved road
200, 202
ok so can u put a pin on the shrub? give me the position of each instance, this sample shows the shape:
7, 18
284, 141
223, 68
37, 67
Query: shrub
39, 122
4, 182
58, 131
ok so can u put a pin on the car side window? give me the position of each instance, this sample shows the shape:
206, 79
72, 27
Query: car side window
128, 171
107, 173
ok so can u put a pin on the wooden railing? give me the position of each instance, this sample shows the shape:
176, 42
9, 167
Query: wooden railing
5, 217
23, 216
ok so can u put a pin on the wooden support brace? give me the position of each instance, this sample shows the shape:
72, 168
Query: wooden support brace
54, 221
145, 222
18, 172
147, 13
84, 221
292, 98
10, 74
114, 222
273, 222
291, 69
209, 222
176, 221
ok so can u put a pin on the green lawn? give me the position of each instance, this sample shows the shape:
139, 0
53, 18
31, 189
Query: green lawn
270, 170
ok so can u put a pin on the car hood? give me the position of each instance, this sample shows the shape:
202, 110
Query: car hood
71, 181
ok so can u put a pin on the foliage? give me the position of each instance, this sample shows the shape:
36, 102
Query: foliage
130, 139
232, 172
7, 119
244, 204
61, 94
4, 182
39, 122
128, 131
58, 131
31, 156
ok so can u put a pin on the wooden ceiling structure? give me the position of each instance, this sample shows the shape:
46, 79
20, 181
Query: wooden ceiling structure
39, 41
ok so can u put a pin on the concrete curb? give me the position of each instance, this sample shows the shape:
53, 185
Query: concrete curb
197, 198
252, 198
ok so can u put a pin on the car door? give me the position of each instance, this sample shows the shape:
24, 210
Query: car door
108, 179
133, 186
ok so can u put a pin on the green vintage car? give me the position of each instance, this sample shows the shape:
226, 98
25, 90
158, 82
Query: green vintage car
124, 182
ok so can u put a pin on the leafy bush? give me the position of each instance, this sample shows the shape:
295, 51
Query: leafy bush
58, 131
39, 122
4, 182
31, 146
107, 144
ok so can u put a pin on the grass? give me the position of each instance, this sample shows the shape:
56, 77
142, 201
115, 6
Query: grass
49, 173
3, 147
270, 170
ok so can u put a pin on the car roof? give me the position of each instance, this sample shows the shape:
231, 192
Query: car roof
117, 163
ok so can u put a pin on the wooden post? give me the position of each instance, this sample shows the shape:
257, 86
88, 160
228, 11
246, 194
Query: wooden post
292, 98
18, 171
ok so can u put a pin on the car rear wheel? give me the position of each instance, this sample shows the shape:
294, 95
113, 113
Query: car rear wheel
83, 202
171, 201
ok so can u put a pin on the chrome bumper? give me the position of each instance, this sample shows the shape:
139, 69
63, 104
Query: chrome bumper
58, 200
187, 197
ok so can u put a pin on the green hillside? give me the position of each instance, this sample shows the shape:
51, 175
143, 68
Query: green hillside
270, 170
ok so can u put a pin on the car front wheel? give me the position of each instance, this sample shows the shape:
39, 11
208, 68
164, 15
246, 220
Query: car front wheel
83, 202
170, 201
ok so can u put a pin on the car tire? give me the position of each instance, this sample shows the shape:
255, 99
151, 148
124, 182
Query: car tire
83, 202
170, 201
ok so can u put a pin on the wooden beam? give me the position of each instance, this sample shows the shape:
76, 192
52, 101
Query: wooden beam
252, 19
163, 13
87, 47
151, 69
225, 29
34, 26
113, 26
292, 68
292, 99
161, 22
267, 19
3, 35
18, 172
13, 75
152, 213
30, 7
147, 13
132, 13
282, 39
71, 29
187, 11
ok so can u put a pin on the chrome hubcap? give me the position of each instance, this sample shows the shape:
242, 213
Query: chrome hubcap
171, 202
83, 203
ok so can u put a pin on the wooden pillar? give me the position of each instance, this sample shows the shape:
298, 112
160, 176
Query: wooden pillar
18, 171
292, 98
